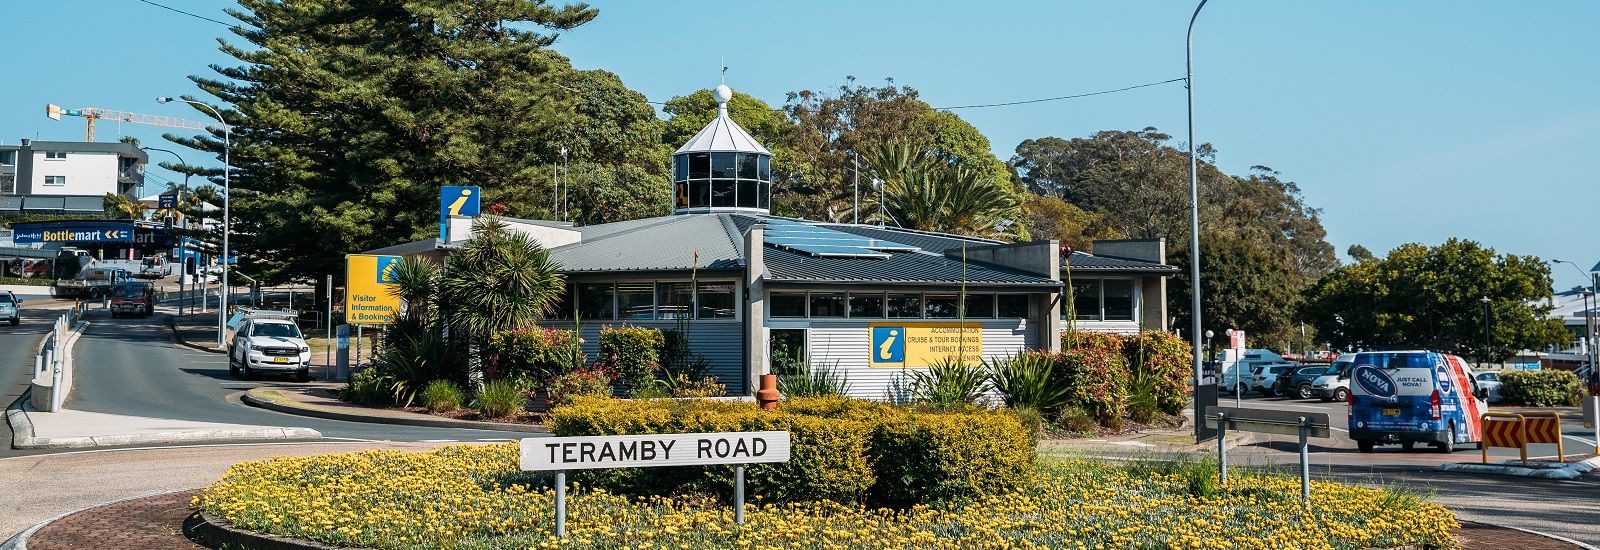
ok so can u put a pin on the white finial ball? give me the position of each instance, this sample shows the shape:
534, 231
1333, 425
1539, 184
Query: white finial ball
724, 93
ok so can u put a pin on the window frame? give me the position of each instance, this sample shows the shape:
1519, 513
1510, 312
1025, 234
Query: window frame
55, 155
61, 181
1134, 299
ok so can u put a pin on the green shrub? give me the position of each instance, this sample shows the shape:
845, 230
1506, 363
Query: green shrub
1096, 381
842, 449
1026, 381
534, 353
500, 398
1541, 388
368, 387
1076, 420
442, 396
590, 382
805, 379
28, 281
414, 354
683, 386
948, 383
633, 353
1166, 361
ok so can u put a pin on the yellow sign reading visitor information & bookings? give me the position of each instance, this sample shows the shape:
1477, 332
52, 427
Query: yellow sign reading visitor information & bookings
369, 298
916, 345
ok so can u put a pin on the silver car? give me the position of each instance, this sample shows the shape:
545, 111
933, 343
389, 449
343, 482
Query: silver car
10, 308
1489, 383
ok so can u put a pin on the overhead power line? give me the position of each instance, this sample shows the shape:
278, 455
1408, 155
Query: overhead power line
1074, 96
194, 15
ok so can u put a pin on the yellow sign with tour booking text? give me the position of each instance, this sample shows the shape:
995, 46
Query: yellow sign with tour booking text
916, 345
369, 296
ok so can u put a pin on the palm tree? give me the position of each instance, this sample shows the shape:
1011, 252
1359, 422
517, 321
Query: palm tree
972, 202
932, 194
498, 280
417, 282
120, 207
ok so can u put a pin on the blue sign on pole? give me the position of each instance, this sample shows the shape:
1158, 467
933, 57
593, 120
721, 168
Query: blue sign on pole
168, 201
457, 200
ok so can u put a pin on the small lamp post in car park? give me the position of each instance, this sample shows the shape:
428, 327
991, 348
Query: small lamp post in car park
1590, 301
1486, 344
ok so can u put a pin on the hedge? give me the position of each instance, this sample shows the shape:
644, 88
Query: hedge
634, 353
1540, 388
842, 450
1164, 356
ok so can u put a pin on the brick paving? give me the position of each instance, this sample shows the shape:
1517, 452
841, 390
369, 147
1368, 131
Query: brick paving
151, 522
158, 523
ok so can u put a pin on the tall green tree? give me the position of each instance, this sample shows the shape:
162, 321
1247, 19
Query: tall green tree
1243, 286
498, 280
1431, 297
349, 115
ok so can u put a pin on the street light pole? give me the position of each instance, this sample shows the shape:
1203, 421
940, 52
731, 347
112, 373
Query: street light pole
182, 263
1194, 221
227, 194
1588, 319
1486, 344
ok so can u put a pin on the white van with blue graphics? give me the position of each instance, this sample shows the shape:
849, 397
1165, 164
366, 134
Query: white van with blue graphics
1410, 397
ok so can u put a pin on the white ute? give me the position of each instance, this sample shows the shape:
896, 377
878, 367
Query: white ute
269, 343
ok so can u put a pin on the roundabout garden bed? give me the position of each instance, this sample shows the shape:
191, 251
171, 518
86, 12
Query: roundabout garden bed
475, 497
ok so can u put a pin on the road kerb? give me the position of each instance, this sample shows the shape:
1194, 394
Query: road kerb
265, 398
19, 541
1540, 470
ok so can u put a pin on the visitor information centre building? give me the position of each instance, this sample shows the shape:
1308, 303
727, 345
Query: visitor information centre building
756, 293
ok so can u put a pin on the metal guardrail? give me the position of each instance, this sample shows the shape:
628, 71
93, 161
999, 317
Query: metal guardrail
49, 361
1272, 422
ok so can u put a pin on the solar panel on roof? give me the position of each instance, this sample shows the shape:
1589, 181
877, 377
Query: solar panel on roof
825, 242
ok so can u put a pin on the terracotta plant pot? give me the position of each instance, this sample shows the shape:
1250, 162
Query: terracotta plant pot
768, 395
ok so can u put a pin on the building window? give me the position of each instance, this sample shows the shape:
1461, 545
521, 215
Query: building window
764, 168
722, 193
680, 168
788, 304
868, 306
1104, 300
763, 194
747, 166
979, 306
717, 300
636, 301
1117, 295
674, 300
786, 348
827, 305
903, 306
1085, 299
722, 165
562, 309
699, 194
748, 192
55, 180
699, 166
8, 158
941, 306
1013, 306
595, 301
55, 155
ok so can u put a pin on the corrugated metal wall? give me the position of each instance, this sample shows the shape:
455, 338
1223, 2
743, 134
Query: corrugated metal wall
721, 342
847, 347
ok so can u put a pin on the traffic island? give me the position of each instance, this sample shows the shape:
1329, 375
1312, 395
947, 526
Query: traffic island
1532, 468
319, 402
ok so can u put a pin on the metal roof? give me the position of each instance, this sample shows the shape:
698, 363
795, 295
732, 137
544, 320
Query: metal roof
723, 134
901, 267
1081, 260
668, 243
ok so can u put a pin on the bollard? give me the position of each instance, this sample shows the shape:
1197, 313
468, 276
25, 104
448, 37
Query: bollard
561, 503
1305, 463
1595, 400
1221, 446
738, 494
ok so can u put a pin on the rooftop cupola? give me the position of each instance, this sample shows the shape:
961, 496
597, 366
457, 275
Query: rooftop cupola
722, 168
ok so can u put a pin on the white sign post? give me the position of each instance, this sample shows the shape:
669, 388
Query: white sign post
560, 454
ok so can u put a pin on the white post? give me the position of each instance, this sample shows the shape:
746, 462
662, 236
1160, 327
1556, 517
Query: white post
561, 503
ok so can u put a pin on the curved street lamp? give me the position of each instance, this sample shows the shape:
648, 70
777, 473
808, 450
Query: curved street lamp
227, 188
1194, 221
1588, 318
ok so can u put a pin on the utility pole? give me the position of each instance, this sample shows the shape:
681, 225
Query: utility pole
855, 211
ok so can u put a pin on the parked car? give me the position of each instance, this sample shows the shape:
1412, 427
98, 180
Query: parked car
1237, 376
1298, 383
10, 307
133, 299
268, 344
1489, 382
1410, 397
1264, 379
1335, 385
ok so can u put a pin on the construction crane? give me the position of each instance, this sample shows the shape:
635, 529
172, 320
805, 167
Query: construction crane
91, 114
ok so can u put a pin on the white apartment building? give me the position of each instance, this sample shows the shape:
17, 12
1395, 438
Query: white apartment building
67, 175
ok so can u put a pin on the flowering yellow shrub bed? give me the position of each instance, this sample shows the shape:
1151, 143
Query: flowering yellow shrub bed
474, 497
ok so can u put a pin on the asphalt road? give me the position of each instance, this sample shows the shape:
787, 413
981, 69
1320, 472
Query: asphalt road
1564, 508
132, 367
17, 347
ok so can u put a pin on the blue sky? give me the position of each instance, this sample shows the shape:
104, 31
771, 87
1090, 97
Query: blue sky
1404, 122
